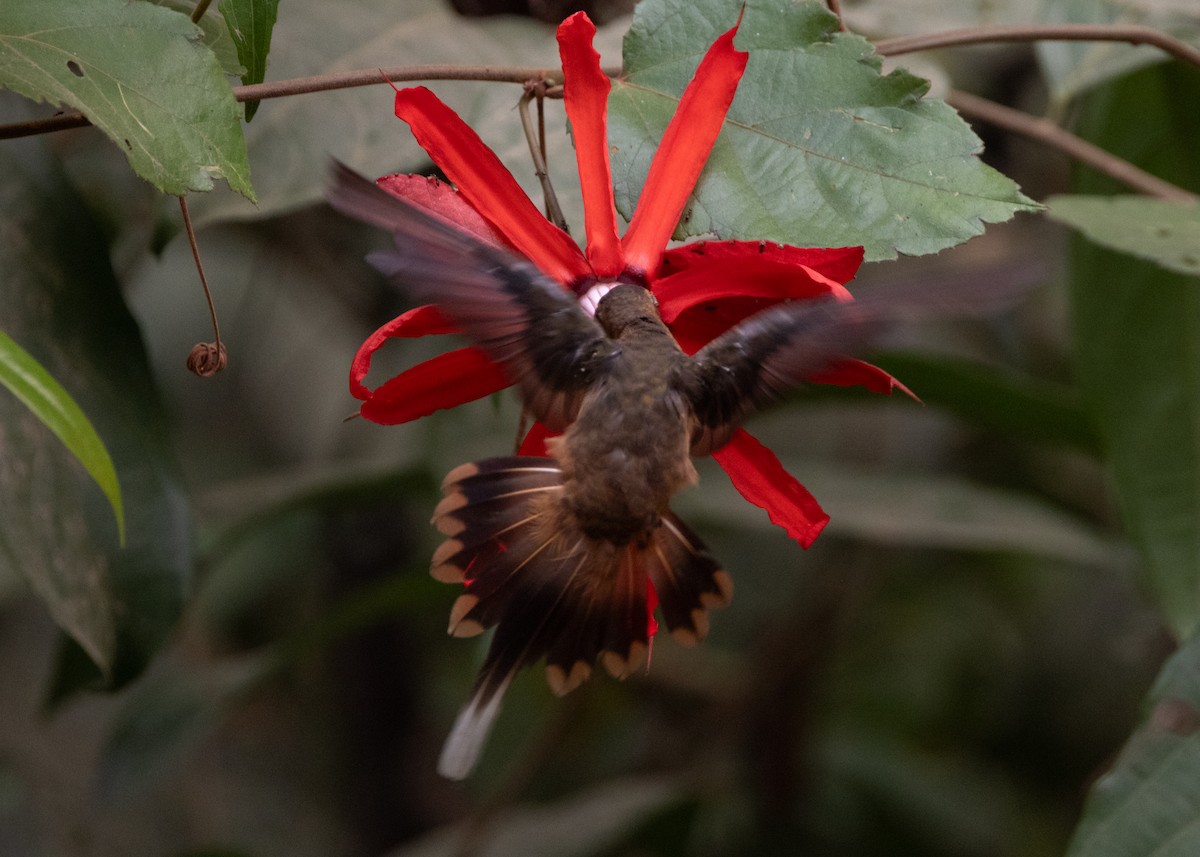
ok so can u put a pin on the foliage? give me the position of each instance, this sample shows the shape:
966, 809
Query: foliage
116, 597
1163, 232
1073, 68
1147, 804
945, 672
290, 167
36, 388
108, 60
1144, 391
839, 168
250, 24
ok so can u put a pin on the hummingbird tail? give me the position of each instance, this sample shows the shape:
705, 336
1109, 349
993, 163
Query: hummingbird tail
553, 592
686, 578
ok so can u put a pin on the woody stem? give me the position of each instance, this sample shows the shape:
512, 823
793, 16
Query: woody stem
1045, 131
537, 89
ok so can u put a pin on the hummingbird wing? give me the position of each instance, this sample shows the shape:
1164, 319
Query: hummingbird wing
757, 362
521, 318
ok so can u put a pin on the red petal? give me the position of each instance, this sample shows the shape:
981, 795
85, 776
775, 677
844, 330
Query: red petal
440, 199
758, 279
681, 155
695, 329
838, 263
485, 183
856, 373
761, 479
651, 622
446, 381
694, 337
422, 321
535, 441
703, 303
585, 96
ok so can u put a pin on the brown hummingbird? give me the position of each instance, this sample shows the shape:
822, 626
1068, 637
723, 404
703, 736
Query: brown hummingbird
555, 553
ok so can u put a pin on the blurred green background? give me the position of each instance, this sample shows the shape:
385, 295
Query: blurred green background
946, 672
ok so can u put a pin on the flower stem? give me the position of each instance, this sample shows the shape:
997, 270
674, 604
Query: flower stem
537, 150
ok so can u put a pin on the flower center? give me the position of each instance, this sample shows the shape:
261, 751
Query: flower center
597, 290
591, 298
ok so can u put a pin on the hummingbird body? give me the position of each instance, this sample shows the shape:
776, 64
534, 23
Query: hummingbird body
558, 554
627, 452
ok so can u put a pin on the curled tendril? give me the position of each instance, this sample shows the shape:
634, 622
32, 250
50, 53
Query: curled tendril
207, 359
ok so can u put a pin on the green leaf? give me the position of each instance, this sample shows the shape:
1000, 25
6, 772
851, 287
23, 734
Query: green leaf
250, 23
818, 149
61, 301
216, 34
1148, 803
1164, 232
53, 405
1136, 332
141, 75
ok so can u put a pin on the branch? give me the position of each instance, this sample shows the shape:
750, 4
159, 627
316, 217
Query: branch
1047, 132
1132, 33
364, 77
321, 83
1004, 117
199, 11
835, 6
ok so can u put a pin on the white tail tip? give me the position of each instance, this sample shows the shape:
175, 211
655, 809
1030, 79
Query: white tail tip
471, 728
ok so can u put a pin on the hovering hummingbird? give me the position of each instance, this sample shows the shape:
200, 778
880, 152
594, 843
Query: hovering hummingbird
555, 552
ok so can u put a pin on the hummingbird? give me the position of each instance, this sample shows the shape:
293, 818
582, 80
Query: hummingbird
555, 552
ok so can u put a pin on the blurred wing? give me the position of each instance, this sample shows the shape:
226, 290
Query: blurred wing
522, 319
757, 362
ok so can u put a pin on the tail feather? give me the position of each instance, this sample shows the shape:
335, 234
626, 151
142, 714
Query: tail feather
550, 591
470, 731
626, 642
687, 579
487, 512
494, 491
606, 620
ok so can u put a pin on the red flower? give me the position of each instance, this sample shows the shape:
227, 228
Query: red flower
703, 288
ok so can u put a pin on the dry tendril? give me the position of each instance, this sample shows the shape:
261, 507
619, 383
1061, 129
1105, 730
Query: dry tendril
206, 358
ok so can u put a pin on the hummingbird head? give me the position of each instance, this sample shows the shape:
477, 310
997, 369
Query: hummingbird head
625, 306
